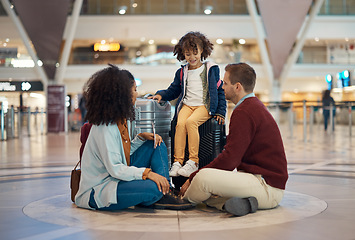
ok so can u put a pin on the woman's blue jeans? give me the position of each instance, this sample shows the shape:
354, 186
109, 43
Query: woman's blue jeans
141, 192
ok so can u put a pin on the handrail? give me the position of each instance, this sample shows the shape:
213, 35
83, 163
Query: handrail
308, 110
13, 118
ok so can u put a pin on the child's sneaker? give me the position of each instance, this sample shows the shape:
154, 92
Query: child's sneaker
174, 169
189, 167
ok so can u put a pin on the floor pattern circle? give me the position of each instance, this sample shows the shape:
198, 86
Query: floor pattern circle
61, 211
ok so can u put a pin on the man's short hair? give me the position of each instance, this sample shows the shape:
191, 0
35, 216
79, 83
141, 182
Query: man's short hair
242, 73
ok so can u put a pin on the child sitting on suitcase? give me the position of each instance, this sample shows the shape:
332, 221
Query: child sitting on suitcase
199, 88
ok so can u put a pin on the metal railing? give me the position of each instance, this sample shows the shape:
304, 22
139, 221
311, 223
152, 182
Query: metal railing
308, 113
16, 123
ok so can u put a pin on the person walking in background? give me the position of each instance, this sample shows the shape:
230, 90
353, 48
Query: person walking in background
199, 89
82, 107
327, 101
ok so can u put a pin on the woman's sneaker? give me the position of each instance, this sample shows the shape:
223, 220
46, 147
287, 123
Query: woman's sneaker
173, 202
174, 169
189, 167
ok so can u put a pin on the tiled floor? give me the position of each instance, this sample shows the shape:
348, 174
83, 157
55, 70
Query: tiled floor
319, 202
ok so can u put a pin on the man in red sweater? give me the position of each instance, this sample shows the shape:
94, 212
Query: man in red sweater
251, 172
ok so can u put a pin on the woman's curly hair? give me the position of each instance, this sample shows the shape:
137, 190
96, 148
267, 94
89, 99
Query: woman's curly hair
109, 96
190, 41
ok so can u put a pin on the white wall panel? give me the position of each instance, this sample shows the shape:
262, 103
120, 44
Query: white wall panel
162, 27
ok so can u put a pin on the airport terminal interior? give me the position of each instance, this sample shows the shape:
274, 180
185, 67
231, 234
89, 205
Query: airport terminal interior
299, 49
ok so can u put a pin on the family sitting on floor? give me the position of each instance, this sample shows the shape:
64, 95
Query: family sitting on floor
118, 172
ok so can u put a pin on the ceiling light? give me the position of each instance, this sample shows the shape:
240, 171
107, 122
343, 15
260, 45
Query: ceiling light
208, 10
346, 74
36, 95
134, 5
151, 41
174, 41
138, 82
219, 41
122, 10
328, 78
242, 41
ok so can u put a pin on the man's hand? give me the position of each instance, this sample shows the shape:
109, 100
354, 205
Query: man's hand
156, 97
162, 182
184, 188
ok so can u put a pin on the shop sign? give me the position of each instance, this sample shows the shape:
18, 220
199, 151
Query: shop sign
21, 86
107, 47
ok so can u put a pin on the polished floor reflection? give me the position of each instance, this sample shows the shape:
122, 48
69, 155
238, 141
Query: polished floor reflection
319, 202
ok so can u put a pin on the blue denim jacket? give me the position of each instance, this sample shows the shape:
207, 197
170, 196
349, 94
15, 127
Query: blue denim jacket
177, 89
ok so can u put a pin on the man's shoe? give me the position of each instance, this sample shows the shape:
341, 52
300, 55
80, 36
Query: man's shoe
241, 206
174, 169
172, 202
189, 167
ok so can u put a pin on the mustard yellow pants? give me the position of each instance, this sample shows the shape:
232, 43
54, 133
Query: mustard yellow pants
189, 119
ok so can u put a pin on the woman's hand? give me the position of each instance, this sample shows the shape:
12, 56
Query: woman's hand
156, 97
184, 188
150, 136
162, 182
219, 119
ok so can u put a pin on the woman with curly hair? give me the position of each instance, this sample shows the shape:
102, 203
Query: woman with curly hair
117, 172
199, 88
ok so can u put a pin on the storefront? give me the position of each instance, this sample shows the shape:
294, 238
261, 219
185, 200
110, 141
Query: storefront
22, 94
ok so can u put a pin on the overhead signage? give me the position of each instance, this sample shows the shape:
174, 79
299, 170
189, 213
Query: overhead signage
8, 53
107, 47
21, 86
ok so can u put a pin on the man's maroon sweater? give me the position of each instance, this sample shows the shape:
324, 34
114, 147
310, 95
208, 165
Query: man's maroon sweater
254, 145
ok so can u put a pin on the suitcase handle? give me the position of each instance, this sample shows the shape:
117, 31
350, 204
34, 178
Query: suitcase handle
162, 103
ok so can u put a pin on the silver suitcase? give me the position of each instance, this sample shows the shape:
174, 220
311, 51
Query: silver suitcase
149, 111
